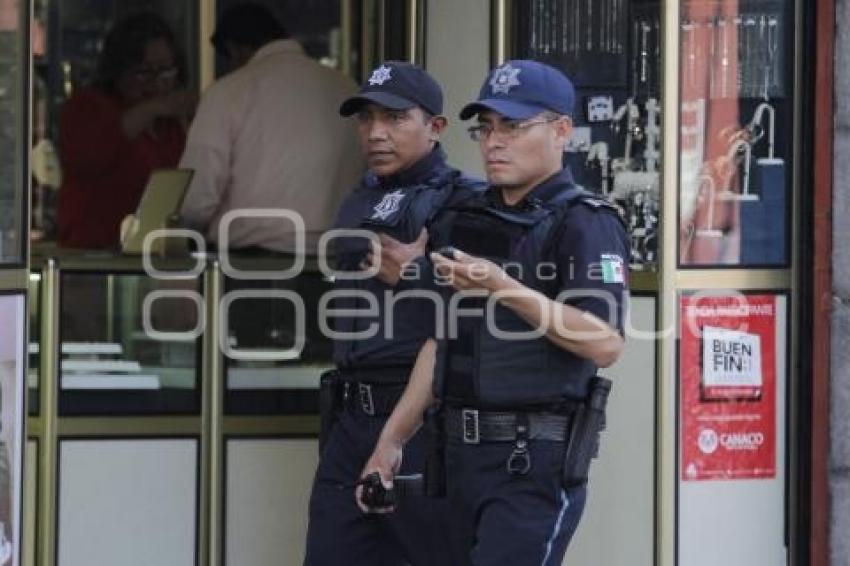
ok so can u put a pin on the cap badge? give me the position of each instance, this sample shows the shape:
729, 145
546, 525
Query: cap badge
388, 205
504, 79
380, 75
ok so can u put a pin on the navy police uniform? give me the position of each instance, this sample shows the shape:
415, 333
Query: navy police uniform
374, 369
508, 403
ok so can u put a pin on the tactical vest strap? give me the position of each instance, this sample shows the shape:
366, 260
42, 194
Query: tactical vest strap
447, 182
560, 206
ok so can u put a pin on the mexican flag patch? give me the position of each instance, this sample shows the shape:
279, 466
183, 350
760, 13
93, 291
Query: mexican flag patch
612, 268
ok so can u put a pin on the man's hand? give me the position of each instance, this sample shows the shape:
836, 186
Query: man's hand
386, 460
469, 273
394, 256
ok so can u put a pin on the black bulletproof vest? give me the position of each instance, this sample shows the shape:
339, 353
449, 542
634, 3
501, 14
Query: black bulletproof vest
400, 211
480, 368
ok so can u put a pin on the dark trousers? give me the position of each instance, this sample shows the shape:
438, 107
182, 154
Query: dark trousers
498, 518
339, 533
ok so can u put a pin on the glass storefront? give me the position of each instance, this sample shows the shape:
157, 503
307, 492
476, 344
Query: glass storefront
67, 39
735, 139
276, 349
611, 51
13, 125
128, 344
709, 84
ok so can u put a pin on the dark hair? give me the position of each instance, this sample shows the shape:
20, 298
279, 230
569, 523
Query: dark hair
124, 49
249, 24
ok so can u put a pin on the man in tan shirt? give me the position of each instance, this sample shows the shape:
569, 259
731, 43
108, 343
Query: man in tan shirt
266, 137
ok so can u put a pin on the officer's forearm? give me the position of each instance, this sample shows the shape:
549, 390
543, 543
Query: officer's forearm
570, 328
406, 418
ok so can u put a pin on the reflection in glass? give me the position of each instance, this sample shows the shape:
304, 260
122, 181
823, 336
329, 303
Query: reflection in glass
13, 57
735, 132
611, 51
109, 363
264, 327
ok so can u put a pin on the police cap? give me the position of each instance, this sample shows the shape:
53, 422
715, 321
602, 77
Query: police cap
397, 85
520, 89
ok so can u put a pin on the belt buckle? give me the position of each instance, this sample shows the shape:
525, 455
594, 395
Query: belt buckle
470, 424
364, 395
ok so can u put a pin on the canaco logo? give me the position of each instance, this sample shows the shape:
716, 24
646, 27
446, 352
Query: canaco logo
707, 441
742, 440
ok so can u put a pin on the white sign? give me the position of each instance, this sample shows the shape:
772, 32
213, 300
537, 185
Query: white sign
730, 358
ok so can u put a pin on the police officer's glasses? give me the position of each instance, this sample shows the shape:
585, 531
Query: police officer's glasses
508, 128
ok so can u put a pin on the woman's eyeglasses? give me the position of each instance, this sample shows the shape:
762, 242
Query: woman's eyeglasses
152, 74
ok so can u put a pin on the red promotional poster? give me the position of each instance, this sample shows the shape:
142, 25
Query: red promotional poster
727, 368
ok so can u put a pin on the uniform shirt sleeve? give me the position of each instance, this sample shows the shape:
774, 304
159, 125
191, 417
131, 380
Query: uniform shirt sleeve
208, 153
592, 264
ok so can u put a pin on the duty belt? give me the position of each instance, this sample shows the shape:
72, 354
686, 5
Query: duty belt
373, 399
472, 426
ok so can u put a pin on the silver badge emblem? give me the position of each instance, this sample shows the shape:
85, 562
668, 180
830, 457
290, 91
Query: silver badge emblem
388, 205
380, 75
504, 79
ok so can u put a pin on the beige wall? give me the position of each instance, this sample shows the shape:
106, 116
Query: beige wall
458, 56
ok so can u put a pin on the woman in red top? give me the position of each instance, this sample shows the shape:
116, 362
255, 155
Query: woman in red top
114, 133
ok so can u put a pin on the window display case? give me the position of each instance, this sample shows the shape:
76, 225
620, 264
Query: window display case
276, 350
736, 133
128, 344
611, 50
687, 118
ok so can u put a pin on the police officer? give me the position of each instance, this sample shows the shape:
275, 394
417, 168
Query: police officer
398, 113
542, 265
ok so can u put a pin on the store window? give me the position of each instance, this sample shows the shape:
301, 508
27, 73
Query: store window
736, 132
276, 350
611, 51
129, 344
67, 39
13, 127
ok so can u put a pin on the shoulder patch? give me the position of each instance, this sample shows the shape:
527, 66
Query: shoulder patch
612, 268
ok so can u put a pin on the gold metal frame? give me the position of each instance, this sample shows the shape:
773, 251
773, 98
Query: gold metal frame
13, 279
206, 55
346, 23
212, 392
211, 426
665, 441
48, 414
366, 40
499, 37
415, 32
